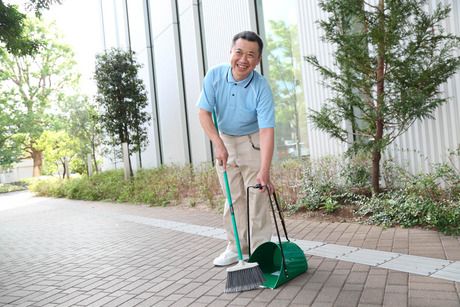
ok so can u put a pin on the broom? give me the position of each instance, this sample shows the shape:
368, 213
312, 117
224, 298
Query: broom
243, 276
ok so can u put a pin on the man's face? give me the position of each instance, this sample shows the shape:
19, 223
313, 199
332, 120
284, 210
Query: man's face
244, 57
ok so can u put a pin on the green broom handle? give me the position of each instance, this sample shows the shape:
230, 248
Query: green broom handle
230, 205
229, 200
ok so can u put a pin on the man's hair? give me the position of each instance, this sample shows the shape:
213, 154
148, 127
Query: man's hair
249, 36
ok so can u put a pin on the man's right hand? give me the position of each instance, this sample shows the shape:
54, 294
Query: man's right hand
221, 154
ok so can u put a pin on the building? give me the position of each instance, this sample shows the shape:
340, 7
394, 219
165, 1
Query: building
178, 40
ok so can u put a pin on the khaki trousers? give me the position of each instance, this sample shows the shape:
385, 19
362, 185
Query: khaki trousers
242, 168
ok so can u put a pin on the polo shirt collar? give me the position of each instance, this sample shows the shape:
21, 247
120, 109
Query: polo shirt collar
244, 83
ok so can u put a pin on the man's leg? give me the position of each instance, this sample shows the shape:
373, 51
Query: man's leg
238, 194
261, 226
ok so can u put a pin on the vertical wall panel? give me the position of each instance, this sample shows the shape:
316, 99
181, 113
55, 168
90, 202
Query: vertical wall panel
321, 144
222, 20
428, 141
115, 24
193, 70
138, 26
168, 81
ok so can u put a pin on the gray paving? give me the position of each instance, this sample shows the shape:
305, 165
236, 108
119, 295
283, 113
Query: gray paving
56, 252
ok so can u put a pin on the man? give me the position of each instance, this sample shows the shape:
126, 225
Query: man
244, 107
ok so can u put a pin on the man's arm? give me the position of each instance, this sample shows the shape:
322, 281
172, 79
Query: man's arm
208, 126
267, 144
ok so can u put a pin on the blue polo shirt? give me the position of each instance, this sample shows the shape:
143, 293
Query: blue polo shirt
242, 107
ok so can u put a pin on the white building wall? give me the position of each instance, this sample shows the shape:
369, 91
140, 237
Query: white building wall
178, 82
170, 94
140, 44
21, 170
428, 141
316, 94
425, 143
193, 70
222, 20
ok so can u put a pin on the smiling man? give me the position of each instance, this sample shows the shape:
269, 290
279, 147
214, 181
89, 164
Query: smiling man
243, 102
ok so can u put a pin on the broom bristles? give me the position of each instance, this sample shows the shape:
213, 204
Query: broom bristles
243, 277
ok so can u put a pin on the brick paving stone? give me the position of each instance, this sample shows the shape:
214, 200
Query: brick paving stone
397, 278
395, 299
221, 302
428, 302
266, 296
328, 295
279, 303
320, 276
375, 281
396, 289
353, 287
336, 280
372, 296
348, 298
205, 299
117, 301
357, 278
151, 301
74, 300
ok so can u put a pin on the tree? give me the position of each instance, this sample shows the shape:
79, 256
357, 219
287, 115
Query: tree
122, 98
13, 29
83, 124
58, 149
9, 150
391, 59
33, 85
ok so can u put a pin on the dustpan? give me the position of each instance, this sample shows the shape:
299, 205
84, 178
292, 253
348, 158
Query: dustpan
280, 262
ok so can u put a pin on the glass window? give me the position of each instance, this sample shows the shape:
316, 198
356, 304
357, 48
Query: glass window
282, 67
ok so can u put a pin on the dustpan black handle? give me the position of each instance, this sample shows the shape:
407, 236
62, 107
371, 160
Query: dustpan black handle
258, 186
283, 257
281, 216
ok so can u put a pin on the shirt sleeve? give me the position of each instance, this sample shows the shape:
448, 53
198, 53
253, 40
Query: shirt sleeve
207, 100
266, 107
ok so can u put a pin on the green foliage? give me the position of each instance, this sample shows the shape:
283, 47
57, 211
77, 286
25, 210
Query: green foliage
32, 86
319, 184
356, 171
390, 60
82, 123
430, 200
158, 187
11, 187
57, 146
426, 200
13, 35
207, 184
122, 98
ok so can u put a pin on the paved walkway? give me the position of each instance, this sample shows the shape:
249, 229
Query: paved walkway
56, 252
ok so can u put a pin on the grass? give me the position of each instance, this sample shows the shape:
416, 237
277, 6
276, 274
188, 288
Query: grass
12, 187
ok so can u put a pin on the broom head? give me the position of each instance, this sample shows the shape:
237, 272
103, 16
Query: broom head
243, 277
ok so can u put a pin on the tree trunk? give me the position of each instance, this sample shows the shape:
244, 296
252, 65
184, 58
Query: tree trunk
94, 157
139, 155
64, 169
379, 123
38, 160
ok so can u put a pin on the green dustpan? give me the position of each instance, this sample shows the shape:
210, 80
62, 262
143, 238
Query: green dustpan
276, 271
279, 262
